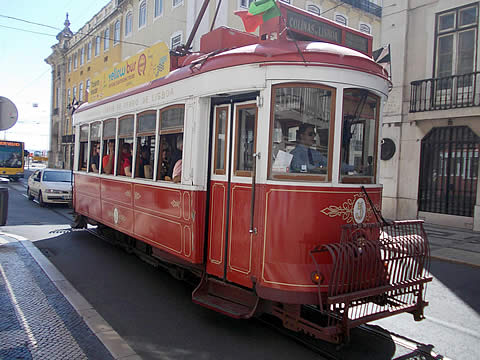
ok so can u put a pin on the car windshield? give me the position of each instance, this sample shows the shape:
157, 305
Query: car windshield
57, 176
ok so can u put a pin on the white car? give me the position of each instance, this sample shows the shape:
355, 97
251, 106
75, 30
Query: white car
50, 186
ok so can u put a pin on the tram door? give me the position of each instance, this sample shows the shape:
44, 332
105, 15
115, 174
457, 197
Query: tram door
230, 243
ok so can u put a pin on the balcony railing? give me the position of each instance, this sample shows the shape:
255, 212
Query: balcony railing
365, 5
451, 92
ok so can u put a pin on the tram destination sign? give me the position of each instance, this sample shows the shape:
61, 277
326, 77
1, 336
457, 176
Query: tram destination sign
321, 30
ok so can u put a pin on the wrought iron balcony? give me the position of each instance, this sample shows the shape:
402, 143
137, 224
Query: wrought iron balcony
365, 5
451, 92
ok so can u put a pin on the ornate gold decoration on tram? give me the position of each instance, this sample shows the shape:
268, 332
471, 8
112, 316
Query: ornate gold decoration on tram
137, 196
128, 193
347, 210
175, 204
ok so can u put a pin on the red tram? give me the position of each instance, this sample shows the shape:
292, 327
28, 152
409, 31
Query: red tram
276, 206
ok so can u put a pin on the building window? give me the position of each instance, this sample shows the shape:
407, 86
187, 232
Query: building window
89, 51
70, 64
106, 39
175, 40
158, 8
456, 35
75, 61
128, 24
74, 93
176, 3
80, 91
341, 19
313, 9
142, 14
87, 89
97, 46
365, 28
245, 3
116, 35
82, 55
69, 97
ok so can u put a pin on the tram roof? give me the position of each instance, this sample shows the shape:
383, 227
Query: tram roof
264, 53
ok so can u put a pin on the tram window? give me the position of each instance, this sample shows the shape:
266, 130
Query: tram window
171, 143
359, 136
125, 146
145, 153
95, 148
108, 151
220, 140
302, 132
145, 156
245, 139
83, 154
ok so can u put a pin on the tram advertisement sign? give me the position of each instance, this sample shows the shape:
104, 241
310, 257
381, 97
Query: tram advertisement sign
151, 64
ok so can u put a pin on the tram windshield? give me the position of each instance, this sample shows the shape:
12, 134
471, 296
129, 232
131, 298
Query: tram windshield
301, 139
359, 135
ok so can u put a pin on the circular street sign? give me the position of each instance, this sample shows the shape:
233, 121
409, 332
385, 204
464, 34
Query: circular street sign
8, 113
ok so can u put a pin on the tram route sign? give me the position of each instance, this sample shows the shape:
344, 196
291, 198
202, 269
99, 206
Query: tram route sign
308, 27
8, 113
150, 64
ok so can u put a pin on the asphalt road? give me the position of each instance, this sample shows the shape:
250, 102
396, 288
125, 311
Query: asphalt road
154, 313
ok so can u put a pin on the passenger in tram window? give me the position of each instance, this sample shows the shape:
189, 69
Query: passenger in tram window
125, 160
144, 166
177, 169
165, 162
305, 159
176, 152
108, 159
95, 159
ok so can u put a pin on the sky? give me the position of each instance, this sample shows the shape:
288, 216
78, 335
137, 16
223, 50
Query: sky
25, 77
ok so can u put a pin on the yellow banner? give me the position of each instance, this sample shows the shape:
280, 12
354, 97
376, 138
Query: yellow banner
152, 63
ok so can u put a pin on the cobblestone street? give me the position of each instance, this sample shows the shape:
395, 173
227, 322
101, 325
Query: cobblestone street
37, 320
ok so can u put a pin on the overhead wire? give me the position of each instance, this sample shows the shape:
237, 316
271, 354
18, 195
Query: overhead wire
58, 29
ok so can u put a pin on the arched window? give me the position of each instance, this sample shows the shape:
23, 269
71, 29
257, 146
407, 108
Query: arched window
116, 34
341, 19
365, 28
158, 8
80, 91
128, 23
97, 46
313, 9
142, 14
106, 39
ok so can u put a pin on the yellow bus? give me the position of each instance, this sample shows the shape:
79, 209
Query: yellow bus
11, 159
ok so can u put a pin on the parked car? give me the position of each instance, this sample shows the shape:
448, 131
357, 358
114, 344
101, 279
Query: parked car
50, 186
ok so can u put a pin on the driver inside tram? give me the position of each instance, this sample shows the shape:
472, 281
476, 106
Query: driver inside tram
305, 158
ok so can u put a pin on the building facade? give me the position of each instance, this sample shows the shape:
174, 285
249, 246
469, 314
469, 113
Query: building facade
432, 119
123, 28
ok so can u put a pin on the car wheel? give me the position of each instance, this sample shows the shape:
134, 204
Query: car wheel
40, 199
29, 194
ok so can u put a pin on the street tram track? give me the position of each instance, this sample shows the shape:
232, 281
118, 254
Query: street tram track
328, 351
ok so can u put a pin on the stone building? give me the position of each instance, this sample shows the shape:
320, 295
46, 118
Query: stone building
431, 125
122, 28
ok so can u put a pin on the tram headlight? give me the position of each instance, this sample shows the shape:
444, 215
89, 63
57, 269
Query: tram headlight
317, 278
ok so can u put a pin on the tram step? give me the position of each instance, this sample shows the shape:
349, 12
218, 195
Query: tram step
225, 298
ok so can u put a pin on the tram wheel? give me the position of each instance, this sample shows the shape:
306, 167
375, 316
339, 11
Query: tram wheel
79, 222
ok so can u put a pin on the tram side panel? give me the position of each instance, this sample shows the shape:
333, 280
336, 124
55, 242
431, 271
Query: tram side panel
171, 220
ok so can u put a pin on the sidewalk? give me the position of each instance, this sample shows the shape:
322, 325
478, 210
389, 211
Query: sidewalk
43, 317
453, 244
